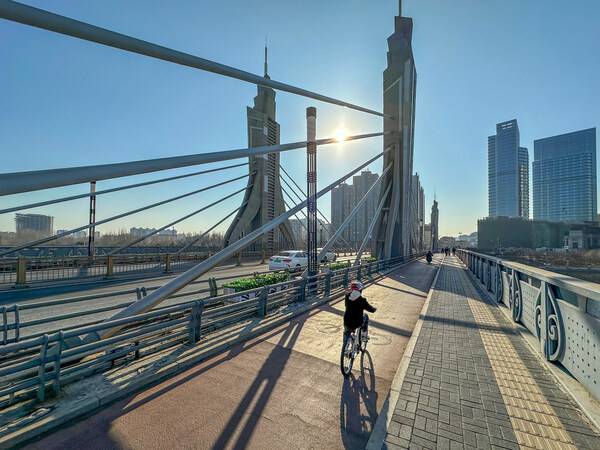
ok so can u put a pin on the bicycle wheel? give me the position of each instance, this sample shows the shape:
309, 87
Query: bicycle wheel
363, 339
347, 355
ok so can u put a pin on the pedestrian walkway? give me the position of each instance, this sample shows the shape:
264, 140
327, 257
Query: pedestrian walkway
473, 381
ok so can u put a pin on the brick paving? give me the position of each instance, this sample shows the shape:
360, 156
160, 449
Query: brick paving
473, 382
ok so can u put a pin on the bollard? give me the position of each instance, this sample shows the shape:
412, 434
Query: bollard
167, 263
21, 272
109, 266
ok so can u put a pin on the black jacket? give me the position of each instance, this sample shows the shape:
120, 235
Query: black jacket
353, 316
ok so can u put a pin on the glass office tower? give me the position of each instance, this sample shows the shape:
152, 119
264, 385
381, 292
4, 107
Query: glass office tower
564, 177
508, 173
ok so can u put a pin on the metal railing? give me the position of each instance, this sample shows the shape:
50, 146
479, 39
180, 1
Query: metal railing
562, 312
33, 367
31, 319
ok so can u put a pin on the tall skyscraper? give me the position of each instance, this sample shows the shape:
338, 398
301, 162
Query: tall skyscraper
263, 200
508, 172
564, 177
393, 229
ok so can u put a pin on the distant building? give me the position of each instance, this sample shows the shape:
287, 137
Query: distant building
343, 200
504, 232
447, 241
140, 232
467, 240
298, 228
77, 235
564, 177
427, 237
417, 214
37, 224
508, 172
434, 226
583, 236
362, 183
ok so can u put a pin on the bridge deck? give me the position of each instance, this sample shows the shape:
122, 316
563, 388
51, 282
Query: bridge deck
473, 381
281, 390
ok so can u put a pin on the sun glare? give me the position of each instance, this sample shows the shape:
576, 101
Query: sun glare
340, 135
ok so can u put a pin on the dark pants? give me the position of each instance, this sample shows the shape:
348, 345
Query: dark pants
364, 327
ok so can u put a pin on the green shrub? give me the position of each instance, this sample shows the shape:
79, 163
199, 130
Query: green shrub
339, 265
368, 260
257, 281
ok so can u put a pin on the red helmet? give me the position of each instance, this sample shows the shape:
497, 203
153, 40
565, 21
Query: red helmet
356, 286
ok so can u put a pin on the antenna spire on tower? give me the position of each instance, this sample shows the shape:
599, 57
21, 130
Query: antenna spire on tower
266, 59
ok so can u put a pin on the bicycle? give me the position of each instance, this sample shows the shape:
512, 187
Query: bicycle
350, 348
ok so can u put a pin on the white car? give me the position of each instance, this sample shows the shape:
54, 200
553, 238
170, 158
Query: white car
289, 260
328, 256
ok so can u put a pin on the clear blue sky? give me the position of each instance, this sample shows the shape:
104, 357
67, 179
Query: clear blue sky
68, 102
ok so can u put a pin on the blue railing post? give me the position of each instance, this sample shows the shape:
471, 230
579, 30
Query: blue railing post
302, 291
41, 393
196, 321
262, 301
327, 292
346, 277
57, 361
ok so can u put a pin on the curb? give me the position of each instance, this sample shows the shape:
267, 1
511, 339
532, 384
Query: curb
580, 395
91, 404
387, 410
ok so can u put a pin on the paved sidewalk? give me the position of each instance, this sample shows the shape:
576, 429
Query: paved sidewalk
473, 382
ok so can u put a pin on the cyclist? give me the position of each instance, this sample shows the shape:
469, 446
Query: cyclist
356, 304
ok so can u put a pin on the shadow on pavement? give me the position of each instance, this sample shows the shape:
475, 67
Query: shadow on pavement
358, 405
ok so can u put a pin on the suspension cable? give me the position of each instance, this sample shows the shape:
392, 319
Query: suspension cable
118, 216
193, 241
120, 188
40, 18
181, 219
201, 268
300, 198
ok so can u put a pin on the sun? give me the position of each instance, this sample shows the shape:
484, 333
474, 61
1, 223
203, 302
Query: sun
341, 134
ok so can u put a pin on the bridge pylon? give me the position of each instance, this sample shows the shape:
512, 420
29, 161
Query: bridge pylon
392, 231
263, 200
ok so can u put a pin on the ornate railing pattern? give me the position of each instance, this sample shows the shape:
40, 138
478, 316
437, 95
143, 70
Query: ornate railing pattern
561, 311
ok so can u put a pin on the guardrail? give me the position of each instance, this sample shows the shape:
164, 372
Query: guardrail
561, 311
23, 271
31, 367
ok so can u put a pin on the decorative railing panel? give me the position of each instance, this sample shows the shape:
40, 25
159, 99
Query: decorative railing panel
562, 312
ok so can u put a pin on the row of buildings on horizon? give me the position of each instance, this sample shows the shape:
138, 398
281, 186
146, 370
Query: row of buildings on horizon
564, 191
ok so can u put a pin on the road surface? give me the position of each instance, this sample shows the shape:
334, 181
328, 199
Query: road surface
283, 390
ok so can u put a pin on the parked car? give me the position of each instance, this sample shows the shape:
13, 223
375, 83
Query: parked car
328, 256
289, 260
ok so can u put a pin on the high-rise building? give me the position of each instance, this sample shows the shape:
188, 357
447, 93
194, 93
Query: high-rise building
35, 224
417, 213
362, 183
435, 232
393, 229
342, 203
564, 177
343, 200
263, 200
508, 172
